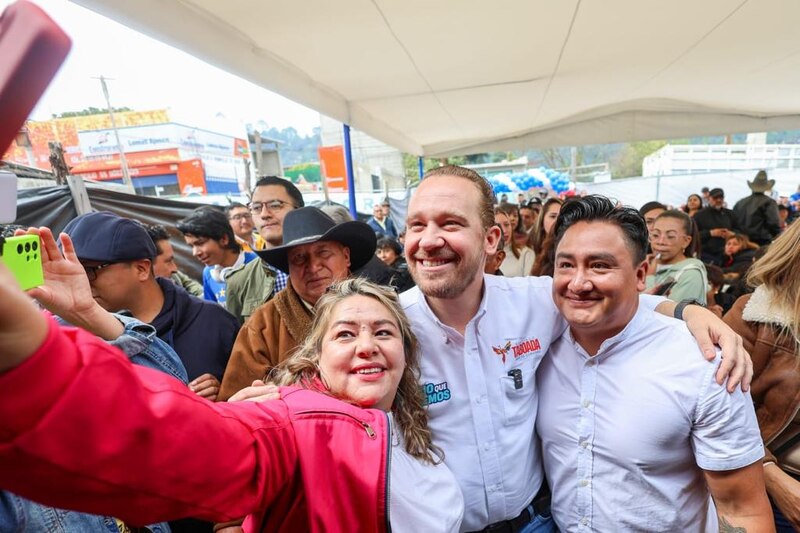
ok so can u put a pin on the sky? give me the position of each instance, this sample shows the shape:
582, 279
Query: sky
144, 73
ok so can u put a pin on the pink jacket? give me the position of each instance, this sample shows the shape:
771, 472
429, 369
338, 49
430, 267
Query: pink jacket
82, 428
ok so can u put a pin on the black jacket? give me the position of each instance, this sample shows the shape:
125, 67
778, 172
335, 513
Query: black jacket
202, 333
757, 216
709, 218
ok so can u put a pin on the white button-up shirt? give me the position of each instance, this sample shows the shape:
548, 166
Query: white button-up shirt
479, 415
625, 433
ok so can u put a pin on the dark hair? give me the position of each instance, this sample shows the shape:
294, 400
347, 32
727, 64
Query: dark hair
211, 223
715, 276
649, 206
689, 227
234, 205
686, 207
388, 242
157, 232
293, 192
599, 208
486, 204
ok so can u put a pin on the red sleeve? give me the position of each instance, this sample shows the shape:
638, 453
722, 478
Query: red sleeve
82, 428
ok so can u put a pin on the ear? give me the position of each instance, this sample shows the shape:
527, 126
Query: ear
641, 275
492, 240
346, 252
501, 256
143, 269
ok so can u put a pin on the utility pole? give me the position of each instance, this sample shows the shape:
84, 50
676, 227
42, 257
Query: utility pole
123, 162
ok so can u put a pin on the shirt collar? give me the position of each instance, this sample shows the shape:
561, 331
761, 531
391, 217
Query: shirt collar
607, 347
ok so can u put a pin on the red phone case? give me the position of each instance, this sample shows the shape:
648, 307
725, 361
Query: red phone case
32, 47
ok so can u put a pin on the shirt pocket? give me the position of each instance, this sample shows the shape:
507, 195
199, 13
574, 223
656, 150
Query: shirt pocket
250, 305
517, 402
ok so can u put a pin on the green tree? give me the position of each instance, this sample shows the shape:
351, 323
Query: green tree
309, 171
628, 163
89, 111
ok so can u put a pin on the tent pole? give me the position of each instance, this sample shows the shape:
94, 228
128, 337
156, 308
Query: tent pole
421, 163
348, 161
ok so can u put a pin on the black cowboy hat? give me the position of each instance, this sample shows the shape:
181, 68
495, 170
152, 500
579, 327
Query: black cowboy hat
308, 225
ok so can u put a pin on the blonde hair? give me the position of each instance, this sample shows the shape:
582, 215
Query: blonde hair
486, 204
408, 408
778, 271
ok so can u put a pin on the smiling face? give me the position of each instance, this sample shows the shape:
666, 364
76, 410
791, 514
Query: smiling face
362, 357
207, 250
269, 222
446, 244
314, 267
596, 283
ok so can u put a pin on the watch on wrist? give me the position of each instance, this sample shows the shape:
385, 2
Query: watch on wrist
678, 313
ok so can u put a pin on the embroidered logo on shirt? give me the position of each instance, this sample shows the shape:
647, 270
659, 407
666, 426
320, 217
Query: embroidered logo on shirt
518, 350
436, 392
526, 347
502, 351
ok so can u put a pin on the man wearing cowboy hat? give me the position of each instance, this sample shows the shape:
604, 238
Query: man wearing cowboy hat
316, 252
757, 214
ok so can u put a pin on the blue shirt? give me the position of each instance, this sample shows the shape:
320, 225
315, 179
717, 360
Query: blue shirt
214, 285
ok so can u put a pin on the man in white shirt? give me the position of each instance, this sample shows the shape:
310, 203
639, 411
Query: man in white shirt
635, 431
482, 339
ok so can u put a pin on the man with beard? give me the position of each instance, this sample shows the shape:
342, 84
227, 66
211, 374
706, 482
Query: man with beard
482, 339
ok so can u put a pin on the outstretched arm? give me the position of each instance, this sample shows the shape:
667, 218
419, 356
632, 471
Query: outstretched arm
23, 328
66, 291
709, 330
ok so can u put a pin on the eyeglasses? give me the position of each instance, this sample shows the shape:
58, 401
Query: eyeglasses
241, 216
271, 206
91, 271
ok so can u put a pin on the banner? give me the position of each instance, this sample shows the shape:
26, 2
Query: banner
332, 166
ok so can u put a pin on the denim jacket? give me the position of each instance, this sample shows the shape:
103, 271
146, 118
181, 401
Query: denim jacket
18, 515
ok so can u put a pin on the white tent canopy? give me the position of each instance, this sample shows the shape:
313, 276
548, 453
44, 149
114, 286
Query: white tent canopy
445, 77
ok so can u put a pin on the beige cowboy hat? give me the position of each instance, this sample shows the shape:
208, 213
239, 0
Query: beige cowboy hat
761, 183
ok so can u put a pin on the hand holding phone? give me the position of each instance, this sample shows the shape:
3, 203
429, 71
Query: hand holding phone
32, 48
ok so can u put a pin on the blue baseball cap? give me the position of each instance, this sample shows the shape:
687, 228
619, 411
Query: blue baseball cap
109, 238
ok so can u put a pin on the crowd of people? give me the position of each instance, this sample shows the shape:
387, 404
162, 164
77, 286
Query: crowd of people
551, 364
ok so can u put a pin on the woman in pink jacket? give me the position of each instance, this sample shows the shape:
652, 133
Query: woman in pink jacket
345, 449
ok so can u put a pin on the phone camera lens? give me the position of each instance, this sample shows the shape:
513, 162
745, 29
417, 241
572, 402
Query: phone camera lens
19, 248
27, 247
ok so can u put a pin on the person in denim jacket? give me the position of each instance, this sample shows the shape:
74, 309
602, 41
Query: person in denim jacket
65, 297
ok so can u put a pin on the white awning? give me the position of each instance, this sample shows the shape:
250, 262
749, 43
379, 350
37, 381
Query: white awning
445, 77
